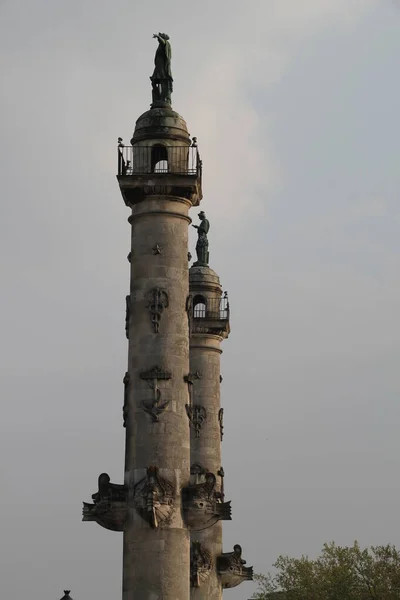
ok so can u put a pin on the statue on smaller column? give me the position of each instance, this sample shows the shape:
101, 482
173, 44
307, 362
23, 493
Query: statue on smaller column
202, 252
161, 80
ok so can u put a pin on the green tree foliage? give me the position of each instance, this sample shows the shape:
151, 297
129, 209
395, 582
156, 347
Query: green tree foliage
339, 573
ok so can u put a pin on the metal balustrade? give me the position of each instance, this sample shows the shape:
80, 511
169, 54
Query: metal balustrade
158, 159
212, 309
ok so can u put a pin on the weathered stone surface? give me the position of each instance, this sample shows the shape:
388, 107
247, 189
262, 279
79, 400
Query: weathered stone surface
156, 540
205, 358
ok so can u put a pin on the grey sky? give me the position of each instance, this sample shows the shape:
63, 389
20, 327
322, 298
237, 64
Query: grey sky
295, 106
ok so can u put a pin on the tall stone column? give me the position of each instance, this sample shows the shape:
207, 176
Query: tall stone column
159, 176
171, 503
156, 541
160, 190
209, 326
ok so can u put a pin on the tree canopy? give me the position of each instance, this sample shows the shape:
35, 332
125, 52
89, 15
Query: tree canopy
339, 573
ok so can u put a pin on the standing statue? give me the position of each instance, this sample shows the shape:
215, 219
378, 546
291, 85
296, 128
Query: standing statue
202, 242
161, 80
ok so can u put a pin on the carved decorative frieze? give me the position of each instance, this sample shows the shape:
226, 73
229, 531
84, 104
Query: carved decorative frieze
153, 498
231, 569
125, 381
197, 415
127, 315
157, 405
203, 505
157, 190
221, 422
157, 302
110, 505
200, 564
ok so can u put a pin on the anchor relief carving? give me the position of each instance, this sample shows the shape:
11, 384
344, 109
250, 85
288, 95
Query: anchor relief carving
157, 405
110, 505
203, 505
153, 498
157, 302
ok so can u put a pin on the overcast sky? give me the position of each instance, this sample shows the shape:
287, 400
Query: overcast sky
295, 104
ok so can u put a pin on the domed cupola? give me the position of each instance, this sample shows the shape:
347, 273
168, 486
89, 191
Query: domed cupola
162, 157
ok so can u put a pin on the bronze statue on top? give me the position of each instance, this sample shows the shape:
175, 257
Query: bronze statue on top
202, 252
161, 80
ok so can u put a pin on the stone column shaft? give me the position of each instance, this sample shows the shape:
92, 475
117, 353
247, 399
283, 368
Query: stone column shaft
157, 551
205, 356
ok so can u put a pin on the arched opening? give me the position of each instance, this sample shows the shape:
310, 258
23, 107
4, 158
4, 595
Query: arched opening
199, 307
159, 159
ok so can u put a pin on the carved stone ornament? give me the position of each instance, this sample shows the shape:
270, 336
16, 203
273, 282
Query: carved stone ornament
157, 302
127, 315
221, 422
200, 564
153, 498
125, 381
188, 308
157, 405
231, 570
110, 505
190, 379
197, 415
157, 249
203, 505
129, 257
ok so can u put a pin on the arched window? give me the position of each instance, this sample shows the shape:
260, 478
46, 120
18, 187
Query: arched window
199, 307
159, 159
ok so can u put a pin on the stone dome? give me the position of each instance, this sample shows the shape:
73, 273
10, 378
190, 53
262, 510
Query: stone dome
204, 278
161, 123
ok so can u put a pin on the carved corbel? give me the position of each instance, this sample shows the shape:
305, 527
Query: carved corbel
231, 569
203, 505
200, 564
109, 508
153, 498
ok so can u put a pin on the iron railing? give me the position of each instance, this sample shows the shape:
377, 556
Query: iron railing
144, 160
212, 309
